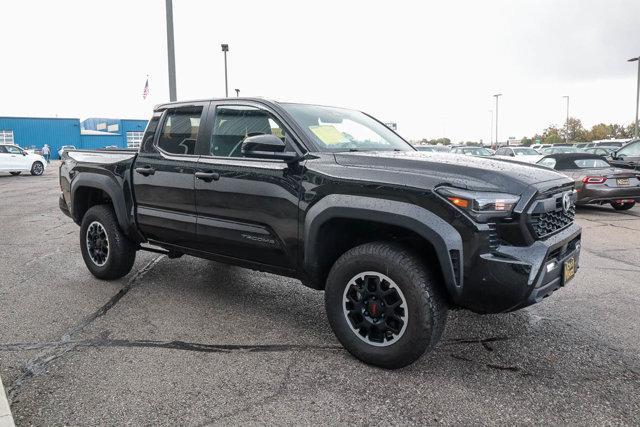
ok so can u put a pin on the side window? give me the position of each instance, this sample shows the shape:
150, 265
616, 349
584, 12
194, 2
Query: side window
180, 130
12, 149
549, 162
631, 150
147, 139
233, 123
502, 152
3, 150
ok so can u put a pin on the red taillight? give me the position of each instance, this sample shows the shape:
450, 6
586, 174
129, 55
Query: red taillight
594, 179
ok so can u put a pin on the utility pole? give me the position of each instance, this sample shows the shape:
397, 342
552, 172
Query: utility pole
225, 49
237, 93
497, 95
566, 132
491, 129
170, 52
635, 130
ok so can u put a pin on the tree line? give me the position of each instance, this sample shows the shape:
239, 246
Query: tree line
576, 132
555, 134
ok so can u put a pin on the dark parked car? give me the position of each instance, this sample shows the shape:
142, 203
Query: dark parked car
333, 198
627, 157
597, 181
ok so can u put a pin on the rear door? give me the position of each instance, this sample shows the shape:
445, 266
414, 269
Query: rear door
163, 175
248, 210
4, 158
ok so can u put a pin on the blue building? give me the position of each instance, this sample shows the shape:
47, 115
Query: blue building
92, 133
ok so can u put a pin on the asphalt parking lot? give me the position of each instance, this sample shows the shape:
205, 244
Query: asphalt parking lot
194, 342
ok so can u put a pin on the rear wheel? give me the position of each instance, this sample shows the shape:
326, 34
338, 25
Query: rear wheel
37, 168
15, 173
106, 251
384, 304
622, 206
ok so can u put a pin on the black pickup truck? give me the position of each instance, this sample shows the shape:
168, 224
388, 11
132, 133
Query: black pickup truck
333, 198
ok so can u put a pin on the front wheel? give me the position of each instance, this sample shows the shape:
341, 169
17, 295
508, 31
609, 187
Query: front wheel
37, 168
106, 251
622, 206
384, 304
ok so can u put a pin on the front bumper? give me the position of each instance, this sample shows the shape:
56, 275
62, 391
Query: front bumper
513, 277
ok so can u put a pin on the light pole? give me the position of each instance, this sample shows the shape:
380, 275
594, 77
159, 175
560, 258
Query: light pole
170, 52
491, 129
566, 132
497, 95
635, 131
225, 49
237, 93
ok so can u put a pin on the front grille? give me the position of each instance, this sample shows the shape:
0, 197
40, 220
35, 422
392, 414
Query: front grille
547, 216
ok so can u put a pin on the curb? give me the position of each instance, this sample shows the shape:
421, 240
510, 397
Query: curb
6, 419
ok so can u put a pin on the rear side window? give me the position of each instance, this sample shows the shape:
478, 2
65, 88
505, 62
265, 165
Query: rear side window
147, 140
2, 149
180, 130
591, 163
549, 162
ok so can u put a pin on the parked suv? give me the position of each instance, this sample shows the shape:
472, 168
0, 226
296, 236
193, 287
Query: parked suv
336, 199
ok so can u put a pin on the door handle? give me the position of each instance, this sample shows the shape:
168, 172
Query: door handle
208, 176
146, 171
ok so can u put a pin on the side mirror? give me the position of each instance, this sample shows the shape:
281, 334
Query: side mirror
24, 153
266, 146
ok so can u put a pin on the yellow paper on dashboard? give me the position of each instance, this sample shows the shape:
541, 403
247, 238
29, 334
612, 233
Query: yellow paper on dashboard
327, 134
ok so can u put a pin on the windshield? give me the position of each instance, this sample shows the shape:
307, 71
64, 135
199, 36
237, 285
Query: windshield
477, 151
336, 129
525, 152
563, 150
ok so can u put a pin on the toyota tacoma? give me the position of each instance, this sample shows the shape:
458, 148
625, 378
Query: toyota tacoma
334, 198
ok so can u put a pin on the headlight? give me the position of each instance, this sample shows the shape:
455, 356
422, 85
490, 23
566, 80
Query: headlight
480, 205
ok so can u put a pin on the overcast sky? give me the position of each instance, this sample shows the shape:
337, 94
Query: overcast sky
432, 68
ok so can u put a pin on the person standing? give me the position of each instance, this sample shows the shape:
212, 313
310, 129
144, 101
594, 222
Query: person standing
46, 152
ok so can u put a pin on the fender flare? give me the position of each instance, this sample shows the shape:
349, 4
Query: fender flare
109, 186
440, 234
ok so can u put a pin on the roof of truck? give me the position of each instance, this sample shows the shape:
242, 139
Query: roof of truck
193, 101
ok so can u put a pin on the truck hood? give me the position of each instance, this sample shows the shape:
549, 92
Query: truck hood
479, 173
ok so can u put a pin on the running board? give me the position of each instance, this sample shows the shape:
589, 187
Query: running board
169, 254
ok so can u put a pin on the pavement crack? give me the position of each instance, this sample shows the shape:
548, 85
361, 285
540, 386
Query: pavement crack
38, 364
171, 345
113, 301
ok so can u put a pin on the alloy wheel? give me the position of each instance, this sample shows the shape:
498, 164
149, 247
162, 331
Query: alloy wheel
97, 243
375, 308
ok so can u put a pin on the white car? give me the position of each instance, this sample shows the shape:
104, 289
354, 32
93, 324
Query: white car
520, 154
15, 160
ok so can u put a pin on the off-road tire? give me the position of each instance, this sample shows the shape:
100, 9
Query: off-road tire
427, 308
121, 251
622, 207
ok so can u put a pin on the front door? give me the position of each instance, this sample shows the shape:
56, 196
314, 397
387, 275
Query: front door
628, 156
16, 160
163, 175
247, 207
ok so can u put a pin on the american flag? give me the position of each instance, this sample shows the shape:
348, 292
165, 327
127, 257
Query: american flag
145, 92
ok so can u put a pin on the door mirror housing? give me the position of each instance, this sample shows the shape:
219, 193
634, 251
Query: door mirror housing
267, 146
